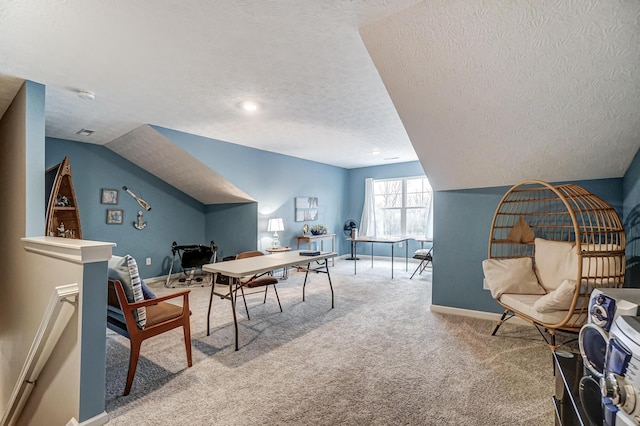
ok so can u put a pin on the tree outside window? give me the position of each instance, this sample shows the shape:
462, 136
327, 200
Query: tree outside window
402, 206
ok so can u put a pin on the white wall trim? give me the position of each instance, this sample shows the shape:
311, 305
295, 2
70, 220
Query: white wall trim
473, 314
70, 250
99, 420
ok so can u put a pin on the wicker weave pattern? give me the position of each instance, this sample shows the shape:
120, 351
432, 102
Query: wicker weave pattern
564, 213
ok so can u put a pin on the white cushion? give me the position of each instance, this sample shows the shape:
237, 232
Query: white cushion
511, 276
558, 300
556, 261
125, 270
523, 303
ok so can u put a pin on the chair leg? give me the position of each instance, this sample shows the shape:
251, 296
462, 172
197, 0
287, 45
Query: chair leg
495, 330
133, 364
215, 276
277, 297
419, 265
425, 266
245, 301
266, 288
186, 328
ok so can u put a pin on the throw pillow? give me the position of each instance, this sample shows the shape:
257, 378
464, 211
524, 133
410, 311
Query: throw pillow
511, 276
521, 232
556, 261
125, 270
558, 300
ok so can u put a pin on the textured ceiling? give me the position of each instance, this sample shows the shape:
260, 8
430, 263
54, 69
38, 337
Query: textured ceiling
186, 65
156, 154
494, 92
489, 92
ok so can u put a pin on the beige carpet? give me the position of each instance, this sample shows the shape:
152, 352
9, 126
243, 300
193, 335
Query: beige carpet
381, 357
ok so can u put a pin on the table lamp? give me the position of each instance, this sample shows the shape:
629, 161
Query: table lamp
274, 226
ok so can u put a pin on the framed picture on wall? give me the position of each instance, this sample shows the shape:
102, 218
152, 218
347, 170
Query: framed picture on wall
306, 209
114, 216
109, 196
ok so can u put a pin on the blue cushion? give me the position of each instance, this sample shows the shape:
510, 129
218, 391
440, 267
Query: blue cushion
146, 291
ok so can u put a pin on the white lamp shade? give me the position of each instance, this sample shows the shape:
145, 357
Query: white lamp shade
275, 225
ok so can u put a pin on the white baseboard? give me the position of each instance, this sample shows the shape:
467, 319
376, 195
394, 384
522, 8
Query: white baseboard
474, 314
99, 420
161, 279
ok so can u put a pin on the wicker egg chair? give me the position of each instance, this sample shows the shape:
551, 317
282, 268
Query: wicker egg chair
561, 213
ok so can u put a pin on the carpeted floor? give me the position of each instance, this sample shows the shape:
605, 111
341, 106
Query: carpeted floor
381, 357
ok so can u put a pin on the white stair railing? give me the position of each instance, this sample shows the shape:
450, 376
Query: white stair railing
62, 304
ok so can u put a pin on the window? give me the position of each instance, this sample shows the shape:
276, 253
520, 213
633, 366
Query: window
402, 207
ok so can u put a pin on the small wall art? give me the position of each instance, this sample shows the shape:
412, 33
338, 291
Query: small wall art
306, 208
109, 196
114, 216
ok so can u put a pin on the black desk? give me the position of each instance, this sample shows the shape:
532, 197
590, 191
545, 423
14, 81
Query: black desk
577, 398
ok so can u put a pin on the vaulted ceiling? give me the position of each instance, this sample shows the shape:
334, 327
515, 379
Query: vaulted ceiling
483, 93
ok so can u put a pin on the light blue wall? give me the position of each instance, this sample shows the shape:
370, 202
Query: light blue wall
356, 200
274, 181
34, 144
93, 351
235, 238
173, 216
461, 234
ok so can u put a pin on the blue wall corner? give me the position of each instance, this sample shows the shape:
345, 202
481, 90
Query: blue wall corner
232, 227
93, 356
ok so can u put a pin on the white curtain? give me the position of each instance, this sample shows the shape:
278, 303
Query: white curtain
368, 219
429, 229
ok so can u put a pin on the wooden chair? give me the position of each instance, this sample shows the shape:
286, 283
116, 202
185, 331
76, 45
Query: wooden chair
161, 316
256, 281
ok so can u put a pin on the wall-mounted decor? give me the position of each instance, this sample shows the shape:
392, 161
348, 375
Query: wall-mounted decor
306, 208
114, 216
109, 196
139, 224
140, 201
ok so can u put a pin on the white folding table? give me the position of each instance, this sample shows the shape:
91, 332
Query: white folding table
236, 269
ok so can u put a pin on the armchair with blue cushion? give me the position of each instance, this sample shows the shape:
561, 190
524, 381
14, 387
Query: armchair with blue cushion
136, 317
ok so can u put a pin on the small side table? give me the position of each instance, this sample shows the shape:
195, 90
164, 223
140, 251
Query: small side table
285, 271
310, 238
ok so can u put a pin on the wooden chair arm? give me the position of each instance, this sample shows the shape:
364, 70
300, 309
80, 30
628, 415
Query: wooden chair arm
148, 302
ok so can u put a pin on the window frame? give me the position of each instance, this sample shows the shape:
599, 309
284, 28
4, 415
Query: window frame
403, 209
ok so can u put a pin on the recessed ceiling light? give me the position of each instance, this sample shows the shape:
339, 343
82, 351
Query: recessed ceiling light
249, 106
85, 132
375, 152
87, 95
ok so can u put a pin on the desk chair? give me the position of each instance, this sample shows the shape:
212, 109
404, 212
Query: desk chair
255, 281
425, 256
